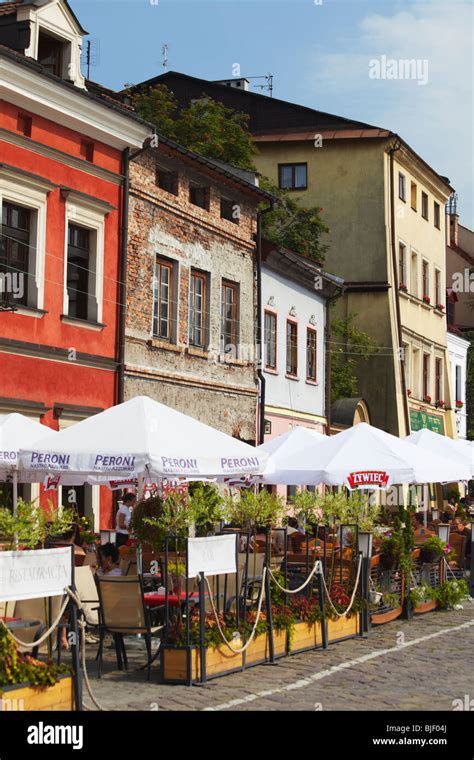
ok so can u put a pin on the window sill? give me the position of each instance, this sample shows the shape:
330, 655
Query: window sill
270, 371
201, 353
292, 377
164, 345
30, 311
88, 324
312, 382
232, 360
293, 189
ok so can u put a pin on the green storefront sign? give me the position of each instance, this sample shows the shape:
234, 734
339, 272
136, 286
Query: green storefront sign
419, 420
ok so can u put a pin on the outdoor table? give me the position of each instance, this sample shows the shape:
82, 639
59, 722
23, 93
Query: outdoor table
155, 599
14, 624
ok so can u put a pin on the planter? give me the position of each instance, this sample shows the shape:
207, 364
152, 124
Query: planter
387, 562
428, 557
218, 661
306, 636
25, 697
427, 606
343, 628
259, 650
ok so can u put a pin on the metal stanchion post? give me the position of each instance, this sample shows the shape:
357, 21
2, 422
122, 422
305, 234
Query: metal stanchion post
202, 626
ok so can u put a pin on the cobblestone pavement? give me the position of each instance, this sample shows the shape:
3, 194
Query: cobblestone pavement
416, 673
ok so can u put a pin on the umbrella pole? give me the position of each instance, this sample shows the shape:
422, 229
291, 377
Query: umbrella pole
15, 492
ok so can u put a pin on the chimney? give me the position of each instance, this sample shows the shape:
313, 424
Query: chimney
454, 228
238, 84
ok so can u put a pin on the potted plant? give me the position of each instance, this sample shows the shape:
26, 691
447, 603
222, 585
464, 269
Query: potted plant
440, 404
427, 399
440, 306
420, 595
390, 550
433, 549
426, 299
403, 287
459, 404
31, 525
348, 625
28, 684
451, 593
308, 621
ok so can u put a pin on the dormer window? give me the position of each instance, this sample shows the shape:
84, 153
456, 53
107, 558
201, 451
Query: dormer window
50, 54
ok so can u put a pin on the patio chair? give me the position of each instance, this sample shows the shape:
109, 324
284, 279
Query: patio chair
458, 545
123, 611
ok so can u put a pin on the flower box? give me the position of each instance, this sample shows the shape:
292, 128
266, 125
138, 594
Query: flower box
306, 636
426, 299
259, 649
459, 404
218, 660
19, 697
343, 628
427, 399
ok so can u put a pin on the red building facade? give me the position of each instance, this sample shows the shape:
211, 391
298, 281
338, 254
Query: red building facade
63, 157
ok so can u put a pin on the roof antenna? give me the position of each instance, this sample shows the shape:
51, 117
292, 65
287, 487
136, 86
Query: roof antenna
268, 84
164, 53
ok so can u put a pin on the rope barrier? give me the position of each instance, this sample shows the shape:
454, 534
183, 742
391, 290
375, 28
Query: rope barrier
296, 590
45, 635
240, 650
341, 614
82, 638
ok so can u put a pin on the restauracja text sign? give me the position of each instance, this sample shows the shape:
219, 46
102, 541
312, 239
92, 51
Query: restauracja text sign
34, 574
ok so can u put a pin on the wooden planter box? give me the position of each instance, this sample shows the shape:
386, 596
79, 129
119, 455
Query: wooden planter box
428, 606
25, 697
306, 636
259, 650
343, 628
218, 661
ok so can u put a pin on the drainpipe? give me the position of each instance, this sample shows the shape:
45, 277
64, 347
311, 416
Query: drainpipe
396, 146
327, 368
123, 277
261, 377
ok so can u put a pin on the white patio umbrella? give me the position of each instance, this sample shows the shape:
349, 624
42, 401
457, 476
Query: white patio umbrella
362, 456
442, 446
17, 432
142, 438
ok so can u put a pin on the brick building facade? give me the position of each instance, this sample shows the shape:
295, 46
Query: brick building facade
191, 287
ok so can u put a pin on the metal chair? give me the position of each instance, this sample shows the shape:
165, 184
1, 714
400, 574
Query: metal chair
123, 611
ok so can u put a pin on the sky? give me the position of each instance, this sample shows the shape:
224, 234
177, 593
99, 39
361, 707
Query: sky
330, 55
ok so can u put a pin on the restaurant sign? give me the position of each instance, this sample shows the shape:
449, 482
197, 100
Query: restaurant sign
420, 420
213, 555
34, 574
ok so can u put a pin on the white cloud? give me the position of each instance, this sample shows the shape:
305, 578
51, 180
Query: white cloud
435, 119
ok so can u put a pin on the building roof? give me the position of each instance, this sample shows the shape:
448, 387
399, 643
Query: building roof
11, 6
297, 267
272, 119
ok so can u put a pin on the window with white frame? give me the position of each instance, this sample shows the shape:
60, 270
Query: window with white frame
84, 262
414, 274
22, 239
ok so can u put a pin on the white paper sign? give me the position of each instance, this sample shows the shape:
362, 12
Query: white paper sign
34, 574
214, 555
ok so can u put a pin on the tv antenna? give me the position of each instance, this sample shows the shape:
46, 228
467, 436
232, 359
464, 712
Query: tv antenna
90, 56
268, 83
164, 53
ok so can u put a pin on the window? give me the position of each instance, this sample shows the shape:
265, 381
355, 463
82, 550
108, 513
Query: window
402, 187
413, 192
426, 279
406, 363
438, 287
167, 180
438, 379
311, 371
293, 176
78, 265
270, 340
230, 210
87, 150
23, 124
458, 383
291, 348
198, 309
424, 206
426, 376
50, 54
14, 252
402, 264
163, 300
437, 217
229, 317
416, 372
199, 196
414, 275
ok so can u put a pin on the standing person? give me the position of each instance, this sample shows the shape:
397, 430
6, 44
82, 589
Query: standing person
122, 519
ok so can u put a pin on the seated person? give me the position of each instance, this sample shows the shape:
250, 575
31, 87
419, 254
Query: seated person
419, 525
464, 530
109, 560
